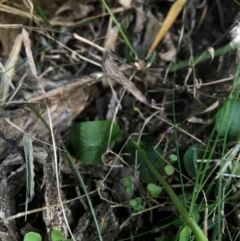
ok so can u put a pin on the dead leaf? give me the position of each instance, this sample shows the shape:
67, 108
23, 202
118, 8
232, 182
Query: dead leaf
111, 38
126, 3
9, 67
27, 45
144, 21
168, 56
199, 120
211, 107
112, 69
211, 52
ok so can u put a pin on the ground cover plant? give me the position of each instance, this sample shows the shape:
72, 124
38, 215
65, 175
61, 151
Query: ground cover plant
119, 120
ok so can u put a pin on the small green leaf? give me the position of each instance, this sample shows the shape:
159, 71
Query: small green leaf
90, 139
194, 152
139, 200
185, 234
227, 119
32, 236
57, 235
236, 169
133, 203
169, 170
173, 157
196, 217
129, 190
127, 181
154, 154
139, 208
154, 189
151, 58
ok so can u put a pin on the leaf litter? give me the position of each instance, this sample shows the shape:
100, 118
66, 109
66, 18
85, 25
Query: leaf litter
65, 68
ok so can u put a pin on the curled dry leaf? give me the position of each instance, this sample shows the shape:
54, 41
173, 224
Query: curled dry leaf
6, 79
27, 45
112, 69
168, 56
111, 39
211, 52
126, 3
200, 120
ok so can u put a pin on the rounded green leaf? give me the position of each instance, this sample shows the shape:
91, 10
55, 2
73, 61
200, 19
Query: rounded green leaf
173, 157
139, 208
147, 143
129, 190
90, 139
154, 189
133, 203
227, 119
193, 153
139, 200
56, 235
169, 170
236, 169
32, 236
127, 181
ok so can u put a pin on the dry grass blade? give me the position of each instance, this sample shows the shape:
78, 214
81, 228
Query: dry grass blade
27, 44
172, 15
28, 150
10, 69
111, 68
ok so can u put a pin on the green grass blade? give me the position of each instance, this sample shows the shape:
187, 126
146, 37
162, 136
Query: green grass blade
120, 29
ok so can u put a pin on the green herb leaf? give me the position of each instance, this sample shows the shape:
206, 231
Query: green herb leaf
194, 152
154, 189
56, 235
139, 208
129, 190
151, 58
227, 119
127, 181
154, 155
32, 236
133, 203
169, 170
90, 139
139, 200
173, 157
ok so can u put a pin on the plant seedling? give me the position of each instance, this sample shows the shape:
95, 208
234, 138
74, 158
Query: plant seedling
90, 140
127, 182
56, 235
32, 236
227, 119
136, 204
154, 190
173, 158
193, 153
154, 155
169, 170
